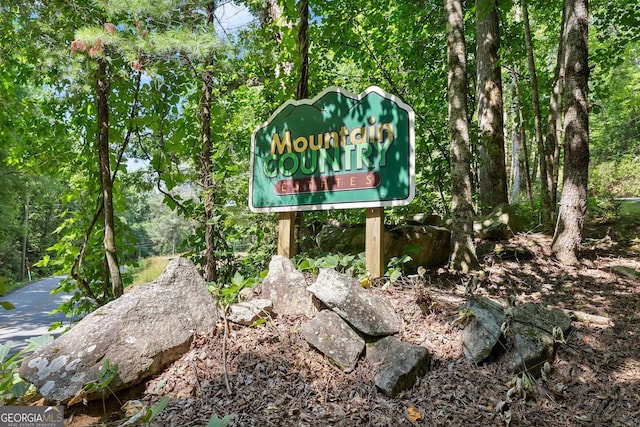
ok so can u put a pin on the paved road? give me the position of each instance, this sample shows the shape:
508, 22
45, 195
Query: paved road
31, 317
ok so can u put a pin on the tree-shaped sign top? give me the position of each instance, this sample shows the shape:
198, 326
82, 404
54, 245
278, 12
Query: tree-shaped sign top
335, 151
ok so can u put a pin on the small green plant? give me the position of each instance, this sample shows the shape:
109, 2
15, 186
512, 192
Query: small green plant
464, 316
348, 264
395, 267
217, 422
12, 386
155, 409
108, 372
521, 386
228, 293
143, 414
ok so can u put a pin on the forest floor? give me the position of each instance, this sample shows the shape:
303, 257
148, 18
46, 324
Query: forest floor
269, 376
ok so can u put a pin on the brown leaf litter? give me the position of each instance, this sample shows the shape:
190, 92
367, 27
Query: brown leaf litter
269, 376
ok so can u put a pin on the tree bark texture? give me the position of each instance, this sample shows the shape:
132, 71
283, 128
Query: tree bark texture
206, 165
493, 175
554, 119
463, 253
302, 90
573, 202
109, 241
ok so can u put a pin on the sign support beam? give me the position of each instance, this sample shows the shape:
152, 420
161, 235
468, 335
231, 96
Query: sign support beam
286, 234
374, 244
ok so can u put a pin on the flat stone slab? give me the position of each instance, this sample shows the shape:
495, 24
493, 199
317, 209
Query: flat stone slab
370, 314
483, 328
248, 312
532, 336
332, 336
399, 364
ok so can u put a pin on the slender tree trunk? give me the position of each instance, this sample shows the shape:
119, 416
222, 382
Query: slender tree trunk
516, 179
573, 203
105, 179
206, 164
493, 175
302, 92
522, 138
463, 253
303, 50
547, 209
554, 120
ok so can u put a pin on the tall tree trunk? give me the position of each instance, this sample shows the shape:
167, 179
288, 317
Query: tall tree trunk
302, 92
554, 120
206, 164
547, 208
105, 179
493, 175
573, 202
522, 137
463, 253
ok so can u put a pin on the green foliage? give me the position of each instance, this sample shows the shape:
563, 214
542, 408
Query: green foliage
214, 421
5, 304
48, 122
603, 209
616, 178
395, 267
11, 385
108, 373
348, 264
227, 293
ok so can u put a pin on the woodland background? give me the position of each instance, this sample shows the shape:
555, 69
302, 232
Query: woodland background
125, 125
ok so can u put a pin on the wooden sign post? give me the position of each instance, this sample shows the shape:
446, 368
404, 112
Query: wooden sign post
374, 243
335, 151
286, 234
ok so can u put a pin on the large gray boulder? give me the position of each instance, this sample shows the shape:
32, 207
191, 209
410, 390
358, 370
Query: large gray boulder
370, 314
141, 332
429, 245
286, 287
342, 239
500, 224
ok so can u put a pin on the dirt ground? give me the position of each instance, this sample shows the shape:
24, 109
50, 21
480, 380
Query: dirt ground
268, 375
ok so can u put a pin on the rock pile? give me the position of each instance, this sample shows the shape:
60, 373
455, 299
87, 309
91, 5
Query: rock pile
153, 324
351, 321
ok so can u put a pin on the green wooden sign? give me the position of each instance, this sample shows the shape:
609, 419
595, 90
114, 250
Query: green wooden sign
335, 151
